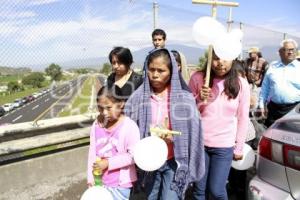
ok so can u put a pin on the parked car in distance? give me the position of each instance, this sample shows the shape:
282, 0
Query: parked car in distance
36, 95
29, 98
44, 91
2, 111
8, 107
278, 161
25, 100
18, 103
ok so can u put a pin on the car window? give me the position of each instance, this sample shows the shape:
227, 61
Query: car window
292, 126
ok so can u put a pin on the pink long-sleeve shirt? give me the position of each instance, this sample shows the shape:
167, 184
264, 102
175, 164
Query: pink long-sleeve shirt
160, 111
116, 145
224, 121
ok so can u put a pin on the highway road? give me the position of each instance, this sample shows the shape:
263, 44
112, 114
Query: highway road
46, 106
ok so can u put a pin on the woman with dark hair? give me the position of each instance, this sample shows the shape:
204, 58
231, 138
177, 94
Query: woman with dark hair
225, 119
122, 76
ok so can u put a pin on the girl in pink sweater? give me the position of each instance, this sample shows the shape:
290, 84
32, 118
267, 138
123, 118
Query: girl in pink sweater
224, 122
112, 138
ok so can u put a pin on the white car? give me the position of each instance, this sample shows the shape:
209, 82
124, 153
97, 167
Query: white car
8, 107
278, 161
18, 103
36, 94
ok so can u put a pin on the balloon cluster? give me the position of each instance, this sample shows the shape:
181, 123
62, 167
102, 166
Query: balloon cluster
208, 31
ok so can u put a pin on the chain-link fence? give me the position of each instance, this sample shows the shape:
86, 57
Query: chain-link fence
81, 33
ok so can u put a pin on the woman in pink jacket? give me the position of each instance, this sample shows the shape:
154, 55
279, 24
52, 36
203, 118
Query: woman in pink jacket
224, 119
112, 138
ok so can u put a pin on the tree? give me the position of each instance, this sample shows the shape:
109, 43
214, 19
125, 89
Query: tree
35, 79
54, 71
82, 71
106, 69
13, 86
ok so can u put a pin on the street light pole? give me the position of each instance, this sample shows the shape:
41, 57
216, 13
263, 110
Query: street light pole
155, 14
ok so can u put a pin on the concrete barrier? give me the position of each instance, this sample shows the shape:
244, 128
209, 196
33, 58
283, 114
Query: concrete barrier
60, 175
47, 160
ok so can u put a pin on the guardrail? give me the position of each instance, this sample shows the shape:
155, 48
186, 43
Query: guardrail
19, 141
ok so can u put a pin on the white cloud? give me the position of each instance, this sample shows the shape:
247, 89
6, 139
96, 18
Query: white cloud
40, 33
283, 25
61, 40
7, 30
42, 2
14, 14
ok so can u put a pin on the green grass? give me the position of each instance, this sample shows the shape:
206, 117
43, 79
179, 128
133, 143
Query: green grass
81, 101
8, 98
5, 79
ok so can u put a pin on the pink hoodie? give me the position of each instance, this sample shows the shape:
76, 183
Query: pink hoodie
122, 158
224, 122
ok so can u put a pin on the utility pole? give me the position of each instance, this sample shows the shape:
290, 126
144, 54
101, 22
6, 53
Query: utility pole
155, 14
241, 28
229, 21
284, 36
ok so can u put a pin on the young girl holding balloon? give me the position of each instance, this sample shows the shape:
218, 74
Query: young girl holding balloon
225, 118
112, 138
162, 102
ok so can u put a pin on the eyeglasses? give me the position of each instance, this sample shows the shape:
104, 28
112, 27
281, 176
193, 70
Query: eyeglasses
289, 50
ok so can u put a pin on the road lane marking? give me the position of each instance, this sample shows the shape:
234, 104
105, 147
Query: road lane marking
47, 110
35, 107
17, 118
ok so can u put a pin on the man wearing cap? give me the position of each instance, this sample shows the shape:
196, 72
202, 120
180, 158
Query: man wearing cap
280, 89
256, 66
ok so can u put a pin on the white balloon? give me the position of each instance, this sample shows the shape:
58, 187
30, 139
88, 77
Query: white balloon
247, 161
236, 33
206, 30
96, 193
150, 153
227, 47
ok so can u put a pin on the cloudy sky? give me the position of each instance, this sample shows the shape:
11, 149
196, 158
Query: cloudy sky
36, 32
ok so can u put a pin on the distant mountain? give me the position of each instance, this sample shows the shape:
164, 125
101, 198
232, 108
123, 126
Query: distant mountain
192, 55
14, 71
270, 53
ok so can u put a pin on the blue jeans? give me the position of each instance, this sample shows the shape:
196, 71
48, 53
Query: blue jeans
160, 189
119, 193
217, 166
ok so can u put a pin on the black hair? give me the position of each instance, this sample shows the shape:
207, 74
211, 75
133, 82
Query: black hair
177, 56
231, 82
161, 53
241, 68
159, 32
114, 93
123, 54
